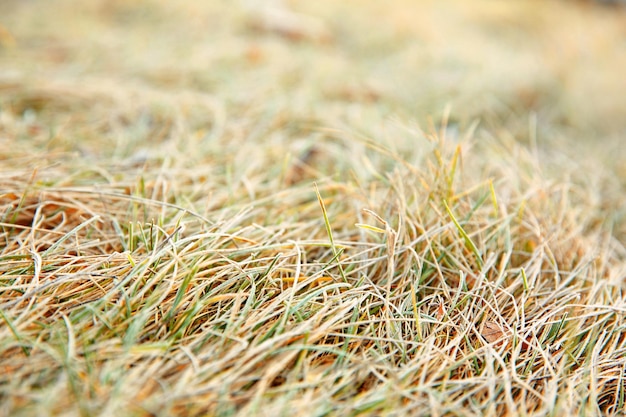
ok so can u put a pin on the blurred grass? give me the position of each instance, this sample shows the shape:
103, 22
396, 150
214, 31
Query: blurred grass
487, 60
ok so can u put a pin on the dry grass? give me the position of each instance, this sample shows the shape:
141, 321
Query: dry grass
218, 209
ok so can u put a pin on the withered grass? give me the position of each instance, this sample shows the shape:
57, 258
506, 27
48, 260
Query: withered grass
232, 210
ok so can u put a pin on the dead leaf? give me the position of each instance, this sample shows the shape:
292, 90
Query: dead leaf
492, 332
440, 311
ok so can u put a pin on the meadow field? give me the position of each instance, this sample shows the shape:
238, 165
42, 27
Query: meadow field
312, 208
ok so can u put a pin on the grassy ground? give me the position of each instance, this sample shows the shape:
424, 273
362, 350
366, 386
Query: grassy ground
312, 209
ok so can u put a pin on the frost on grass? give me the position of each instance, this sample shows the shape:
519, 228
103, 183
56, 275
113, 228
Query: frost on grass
454, 280
166, 229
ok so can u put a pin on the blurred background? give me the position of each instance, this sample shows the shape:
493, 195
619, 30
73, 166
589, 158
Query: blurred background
558, 67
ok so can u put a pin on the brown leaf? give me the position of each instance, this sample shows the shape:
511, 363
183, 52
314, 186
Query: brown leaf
492, 332
440, 311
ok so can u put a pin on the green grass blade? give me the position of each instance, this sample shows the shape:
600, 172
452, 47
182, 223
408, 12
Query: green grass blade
329, 231
468, 241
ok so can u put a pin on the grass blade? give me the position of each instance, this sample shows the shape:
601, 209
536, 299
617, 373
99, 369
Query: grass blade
468, 241
329, 231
